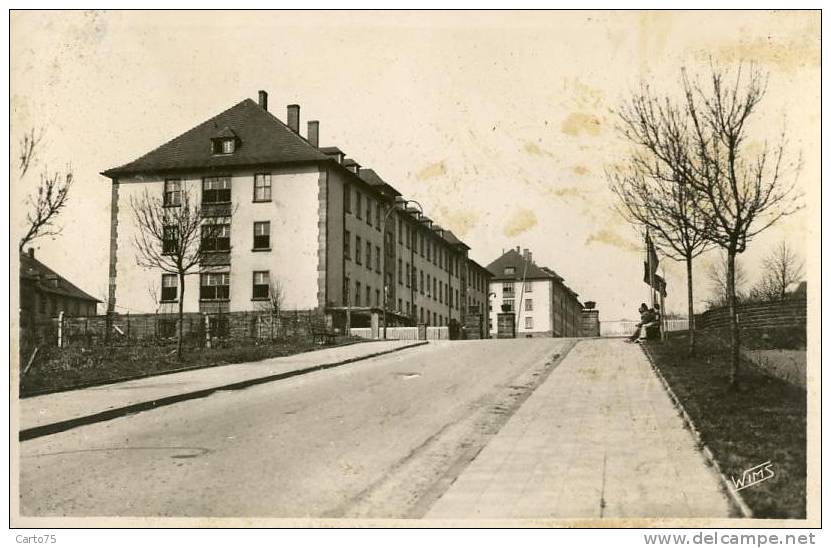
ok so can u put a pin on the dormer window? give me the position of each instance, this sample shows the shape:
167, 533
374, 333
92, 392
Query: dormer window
224, 142
224, 146
510, 270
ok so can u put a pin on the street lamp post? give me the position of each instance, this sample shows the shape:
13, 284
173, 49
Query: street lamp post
403, 203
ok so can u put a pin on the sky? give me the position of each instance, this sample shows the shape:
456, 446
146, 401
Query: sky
501, 124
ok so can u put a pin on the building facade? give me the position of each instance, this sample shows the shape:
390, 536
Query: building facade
544, 306
288, 214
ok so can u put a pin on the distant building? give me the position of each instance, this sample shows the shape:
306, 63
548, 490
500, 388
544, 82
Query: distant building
543, 304
45, 294
295, 213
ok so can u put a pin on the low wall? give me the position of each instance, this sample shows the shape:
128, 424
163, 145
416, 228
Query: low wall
790, 313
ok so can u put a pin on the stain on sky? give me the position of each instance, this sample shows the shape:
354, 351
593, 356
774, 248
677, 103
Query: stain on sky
611, 238
581, 123
520, 221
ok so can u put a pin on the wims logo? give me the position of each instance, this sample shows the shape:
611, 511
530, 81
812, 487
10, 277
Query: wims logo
753, 476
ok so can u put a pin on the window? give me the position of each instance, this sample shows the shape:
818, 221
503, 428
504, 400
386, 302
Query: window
262, 187
377, 259
215, 286
407, 241
347, 244
346, 299
262, 235
428, 285
457, 299
347, 198
172, 193
529, 322
170, 237
368, 295
400, 228
400, 274
421, 244
510, 271
216, 237
369, 211
409, 276
421, 282
357, 293
216, 190
388, 244
377, 297
508, 288
508, 304
358, 250
400, 306
378, 215
224, 146
529, 287
429, 249
260, 287
358, 203
369, 256
529, 305
435, 296
170, 288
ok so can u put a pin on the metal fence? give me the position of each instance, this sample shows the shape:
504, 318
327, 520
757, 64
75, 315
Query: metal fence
402, 333
621, 328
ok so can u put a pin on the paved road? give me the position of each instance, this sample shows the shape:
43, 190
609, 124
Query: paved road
379, 438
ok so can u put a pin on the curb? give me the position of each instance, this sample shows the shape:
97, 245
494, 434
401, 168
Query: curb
709, 456
109, 414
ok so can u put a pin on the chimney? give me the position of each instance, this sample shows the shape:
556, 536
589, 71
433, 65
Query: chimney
263, 99
32, 252
293, 117
526, 254
313, 132
517, 249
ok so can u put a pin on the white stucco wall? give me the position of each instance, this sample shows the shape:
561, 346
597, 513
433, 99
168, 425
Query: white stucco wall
541, 314
293, 213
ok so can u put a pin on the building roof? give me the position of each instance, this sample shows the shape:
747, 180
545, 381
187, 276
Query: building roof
375, 180
480, 267
262, 139
515, 259
35, 271
331, 150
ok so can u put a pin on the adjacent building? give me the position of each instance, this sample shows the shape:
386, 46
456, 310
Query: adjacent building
45, 294
544, 306
333, 235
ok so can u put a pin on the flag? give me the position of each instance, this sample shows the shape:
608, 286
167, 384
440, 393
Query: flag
652, 256
660, 284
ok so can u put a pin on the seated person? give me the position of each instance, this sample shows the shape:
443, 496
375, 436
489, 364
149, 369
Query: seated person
655, 322
647, 317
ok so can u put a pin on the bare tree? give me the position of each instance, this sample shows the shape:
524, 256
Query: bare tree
651, 195
781, 268
51, 196
170, 238
741, 192
273, 305
717, 277
702, 142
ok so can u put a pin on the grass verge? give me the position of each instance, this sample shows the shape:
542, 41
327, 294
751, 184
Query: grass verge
764, 421
74, 367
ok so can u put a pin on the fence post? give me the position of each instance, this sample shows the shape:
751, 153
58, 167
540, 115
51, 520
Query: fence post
207, 331
128, 327
60, 329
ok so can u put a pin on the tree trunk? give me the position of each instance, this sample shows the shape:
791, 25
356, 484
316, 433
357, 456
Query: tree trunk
181, 316
690, 313
734, 324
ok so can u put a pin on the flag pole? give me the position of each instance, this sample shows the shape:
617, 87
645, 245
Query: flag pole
651, 272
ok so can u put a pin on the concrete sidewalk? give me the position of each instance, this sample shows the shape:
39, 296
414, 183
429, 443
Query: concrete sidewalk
599, 439
38, 413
